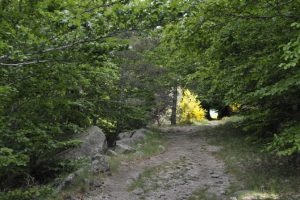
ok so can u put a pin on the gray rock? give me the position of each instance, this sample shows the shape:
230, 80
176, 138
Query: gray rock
129, 182
125, 141
123, 148
138, 191
99, 164
132, 137
139, 135
69, 180
93, 142
126, 134
215, 176
96, 183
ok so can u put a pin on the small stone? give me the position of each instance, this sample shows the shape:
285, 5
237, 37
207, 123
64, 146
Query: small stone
161, 148
162, 195
99, 164
215, 176
96, 183
129, 182
138, 191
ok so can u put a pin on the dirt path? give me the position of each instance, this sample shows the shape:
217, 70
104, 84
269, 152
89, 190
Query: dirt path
187, 166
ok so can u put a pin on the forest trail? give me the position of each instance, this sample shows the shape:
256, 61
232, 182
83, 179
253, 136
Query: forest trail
187, 165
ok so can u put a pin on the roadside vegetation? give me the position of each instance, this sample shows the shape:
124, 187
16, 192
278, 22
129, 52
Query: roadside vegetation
257, 173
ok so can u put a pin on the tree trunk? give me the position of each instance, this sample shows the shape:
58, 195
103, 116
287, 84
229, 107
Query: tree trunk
122, 83
174, 106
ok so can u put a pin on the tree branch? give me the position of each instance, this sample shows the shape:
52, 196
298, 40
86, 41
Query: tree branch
261, 17
59, 48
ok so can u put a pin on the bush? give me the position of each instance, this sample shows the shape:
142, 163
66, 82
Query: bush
34, 193
190, 108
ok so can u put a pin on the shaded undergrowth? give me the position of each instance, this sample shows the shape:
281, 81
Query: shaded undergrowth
254, 169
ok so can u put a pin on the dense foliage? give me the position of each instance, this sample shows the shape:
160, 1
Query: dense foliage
67, 65
247, 53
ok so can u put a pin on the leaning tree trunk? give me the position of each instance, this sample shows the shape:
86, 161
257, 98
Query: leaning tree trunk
174, 106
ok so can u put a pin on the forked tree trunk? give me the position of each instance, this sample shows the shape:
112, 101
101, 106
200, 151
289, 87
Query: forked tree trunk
174, 105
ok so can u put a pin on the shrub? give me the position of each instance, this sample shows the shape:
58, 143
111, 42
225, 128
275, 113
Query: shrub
190, 108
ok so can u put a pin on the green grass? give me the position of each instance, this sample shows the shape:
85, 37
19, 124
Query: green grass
202, 194
254, 170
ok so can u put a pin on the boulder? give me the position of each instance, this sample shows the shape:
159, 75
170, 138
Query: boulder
99, 164
69, 180
93, 143
132, 137
125, 134
139, 135
125, 141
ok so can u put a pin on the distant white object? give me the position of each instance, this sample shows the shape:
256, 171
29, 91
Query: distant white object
213, 113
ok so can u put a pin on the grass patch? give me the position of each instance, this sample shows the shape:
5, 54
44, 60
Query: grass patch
202, 194
255, 170
153, 145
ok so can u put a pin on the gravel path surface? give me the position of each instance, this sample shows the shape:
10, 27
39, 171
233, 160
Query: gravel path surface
187, 165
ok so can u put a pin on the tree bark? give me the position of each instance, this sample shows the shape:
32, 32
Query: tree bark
174, 105
122, 83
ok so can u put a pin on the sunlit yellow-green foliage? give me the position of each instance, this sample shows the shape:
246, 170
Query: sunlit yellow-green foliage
190, 108
235, 107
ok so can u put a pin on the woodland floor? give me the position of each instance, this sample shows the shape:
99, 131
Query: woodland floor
185, 168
